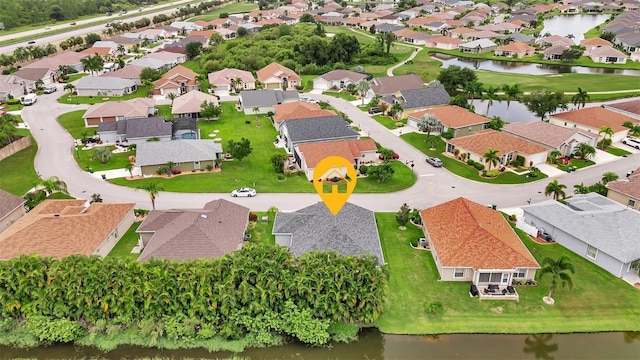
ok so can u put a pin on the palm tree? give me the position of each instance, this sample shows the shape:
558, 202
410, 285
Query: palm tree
536, 344
256, 110
102, 154
512, 92
584, 151
580, 98
607, 131
172, 96
200, 79
121, 49
396, 111
580, 189
556, 189
472, 89
70, 88
363, 88
120, 62
39, 84
129, 167
491, 158
153, 189
490, 95
609, 176
553, 156
561, 271
148, 84
51, 185
237, 84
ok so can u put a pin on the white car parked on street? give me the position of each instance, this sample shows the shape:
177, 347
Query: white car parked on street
244, 191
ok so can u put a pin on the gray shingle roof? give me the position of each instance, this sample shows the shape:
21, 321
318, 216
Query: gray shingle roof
596, 220
253, 98
138, 128
352, 232
319, 128
160, 152
419, 98
8, 203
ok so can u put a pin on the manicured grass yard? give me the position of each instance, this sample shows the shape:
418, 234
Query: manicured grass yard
459, 168
74, 124
117, 161
598, 302
256, 170
617, 151
261, 232
69, 99
17, 174
388, 121
127, 242
576, 164
232, 8
76, 76
341, 94
164, 111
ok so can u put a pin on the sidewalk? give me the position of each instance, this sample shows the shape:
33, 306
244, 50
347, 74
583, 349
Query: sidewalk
117, 173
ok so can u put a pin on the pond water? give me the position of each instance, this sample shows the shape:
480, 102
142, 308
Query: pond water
575, 25
374, 345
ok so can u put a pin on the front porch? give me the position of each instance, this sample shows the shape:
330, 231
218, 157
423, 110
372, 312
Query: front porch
495, 284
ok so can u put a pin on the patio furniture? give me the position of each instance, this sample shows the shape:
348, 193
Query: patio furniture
511, 290
473, 290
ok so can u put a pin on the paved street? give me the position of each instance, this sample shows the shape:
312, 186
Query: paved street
434, 185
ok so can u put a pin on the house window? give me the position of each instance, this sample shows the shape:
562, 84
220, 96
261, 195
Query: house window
458, 273
592, 252
631, 203
490, 277
520, 273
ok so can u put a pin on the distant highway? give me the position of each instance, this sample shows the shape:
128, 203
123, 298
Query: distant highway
72, 31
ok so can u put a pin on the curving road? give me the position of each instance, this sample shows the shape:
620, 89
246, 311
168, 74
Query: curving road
434, 185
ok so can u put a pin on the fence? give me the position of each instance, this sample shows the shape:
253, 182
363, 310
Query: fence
14, 147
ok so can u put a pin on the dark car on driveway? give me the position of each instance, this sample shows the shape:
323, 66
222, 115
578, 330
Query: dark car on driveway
374, 110
546, 237
434, 161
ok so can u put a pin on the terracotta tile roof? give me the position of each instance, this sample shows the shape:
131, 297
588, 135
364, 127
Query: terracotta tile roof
462, 30
596, 117
596, 41
191, 102
607, 51
276, 70
177, 71
102, 51
467, 234
8, 203
632, 106
313, 153
629, 187
127, 72
516, 46
545, 133
71, 58
205, 33
445, 40
453, 116
72, 232
479, 142
298, 110
225, 76
340, 74
181, 234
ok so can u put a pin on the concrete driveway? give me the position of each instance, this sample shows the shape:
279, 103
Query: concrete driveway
434, 185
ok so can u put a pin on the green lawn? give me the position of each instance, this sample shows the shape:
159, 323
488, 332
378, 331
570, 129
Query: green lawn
422, 65
307, 81
340, 94
74, 124
76, 76
127, 242
69, 99
576, 164
598, 302
17, 174
261, 232
256, 170
460, 168
232, 8
617, 151
164, 111
117, 161
388, 121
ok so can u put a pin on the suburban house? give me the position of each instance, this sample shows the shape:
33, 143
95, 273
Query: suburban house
276, 76
592, 119
227, 79
185, 234
509, 146
111, 111
10, 86
418, 99
11, 209
554, 40
308, 155
353, 231
592, 226
135, 131
156, 64
479, 46
297, 110
104, 86
185, 129
555, 137
178, 80
626, 191
70, 59
29, 76
443, 42
318, 129
129, 72
187, 156
628, 108
460, 121
170, 57
554, 52
608, 55
593, 43
60, 228
389, 85
263, 101
473, 243
189, 104
338, 79
515, 49
103, 52
185, 26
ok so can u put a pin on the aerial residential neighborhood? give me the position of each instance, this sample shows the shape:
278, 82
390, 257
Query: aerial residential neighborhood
158, 176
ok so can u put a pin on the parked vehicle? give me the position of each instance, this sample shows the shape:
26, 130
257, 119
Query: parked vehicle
396, 156
50, 89
73, 23
546, 237
31, 42
374, 110
435, 162
244, 191
633, 142
29, 100
47, 27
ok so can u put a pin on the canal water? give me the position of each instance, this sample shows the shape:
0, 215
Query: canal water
376, 346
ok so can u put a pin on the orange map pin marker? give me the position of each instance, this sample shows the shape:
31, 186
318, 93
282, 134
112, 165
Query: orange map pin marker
334, 179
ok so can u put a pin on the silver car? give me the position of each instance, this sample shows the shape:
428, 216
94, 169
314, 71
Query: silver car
434, 161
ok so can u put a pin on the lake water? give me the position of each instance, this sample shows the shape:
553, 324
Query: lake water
376, 346
575, 25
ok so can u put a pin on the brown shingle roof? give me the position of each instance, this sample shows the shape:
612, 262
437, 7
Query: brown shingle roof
596, 117
102, 51
72, 232
544, 132
453, 116
213, 231
225, 76
632, 106
467, 234
128, 108
349, 149
276, 70
629, 187
298, 110
390, 84
8, 203
596, 41
516, 46
481, 141
175, 72
127, 72
343, 74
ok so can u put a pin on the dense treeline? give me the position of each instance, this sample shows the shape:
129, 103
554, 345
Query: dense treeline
261, 291
304, 49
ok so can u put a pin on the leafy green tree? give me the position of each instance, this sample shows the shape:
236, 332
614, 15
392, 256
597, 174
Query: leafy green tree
454, 78
396, 111
51, 185
278, 161
402, 216
584, 151
608, 35
556, 189
560, 270
101, 154
491, 158
307, 18
580, 98
129, 167
153, 189
193, 49
8, 130
571, 54
543, 102
239, 149
580, 189
382, 172
149, 74
91, 39
553, 156
496, 123
209, 110
608, 177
